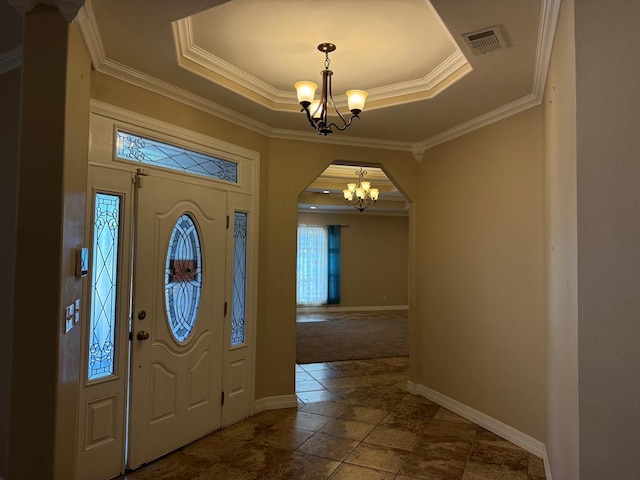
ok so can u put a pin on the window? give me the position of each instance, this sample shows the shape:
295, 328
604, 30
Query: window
312, 284
104, 286
318, 272
183, 278
239, 278
152, 152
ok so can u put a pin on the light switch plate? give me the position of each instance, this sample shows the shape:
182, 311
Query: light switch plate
77, 312
69, 316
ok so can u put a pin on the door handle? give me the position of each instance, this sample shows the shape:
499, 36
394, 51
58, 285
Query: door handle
142, 335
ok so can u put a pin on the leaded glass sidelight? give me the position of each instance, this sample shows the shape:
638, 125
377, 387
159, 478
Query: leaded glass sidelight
183, 278
239, 278
102, 327
152, 152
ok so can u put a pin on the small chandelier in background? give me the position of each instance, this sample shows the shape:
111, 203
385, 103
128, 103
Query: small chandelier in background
318, 110
360, 195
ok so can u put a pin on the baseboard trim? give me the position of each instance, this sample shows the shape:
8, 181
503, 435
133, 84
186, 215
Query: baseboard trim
503, 430
275, 402
371, 308
547, 466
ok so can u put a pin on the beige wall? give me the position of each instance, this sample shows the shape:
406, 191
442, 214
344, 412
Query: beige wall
561, 250
302, 162
9, 141
50, 225
286, 169
608, 173
480, 296
374, 256
76, 152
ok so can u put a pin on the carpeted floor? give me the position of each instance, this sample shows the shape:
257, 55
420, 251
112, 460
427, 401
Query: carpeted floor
334, 336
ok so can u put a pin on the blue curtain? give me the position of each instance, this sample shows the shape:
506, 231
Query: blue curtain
333, 261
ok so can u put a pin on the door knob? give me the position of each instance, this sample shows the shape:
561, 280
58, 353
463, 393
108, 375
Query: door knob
142, 335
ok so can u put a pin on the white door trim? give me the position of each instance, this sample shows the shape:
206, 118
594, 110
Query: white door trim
105, 118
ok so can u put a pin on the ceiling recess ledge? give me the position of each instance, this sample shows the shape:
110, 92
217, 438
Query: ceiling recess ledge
546, 31
191, 56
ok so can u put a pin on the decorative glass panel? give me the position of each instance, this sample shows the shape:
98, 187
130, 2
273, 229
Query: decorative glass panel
102, 328
152, 152
239, 278
183, 282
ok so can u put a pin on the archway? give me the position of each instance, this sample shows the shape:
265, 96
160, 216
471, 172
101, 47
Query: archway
369, 318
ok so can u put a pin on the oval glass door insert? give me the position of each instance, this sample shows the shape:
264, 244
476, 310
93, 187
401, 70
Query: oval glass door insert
183, 278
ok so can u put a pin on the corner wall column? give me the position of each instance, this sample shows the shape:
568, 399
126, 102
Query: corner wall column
54, 122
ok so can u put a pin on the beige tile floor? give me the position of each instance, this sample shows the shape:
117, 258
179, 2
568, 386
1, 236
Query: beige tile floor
354, 421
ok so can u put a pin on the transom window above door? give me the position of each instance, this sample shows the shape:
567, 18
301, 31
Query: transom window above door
135, 148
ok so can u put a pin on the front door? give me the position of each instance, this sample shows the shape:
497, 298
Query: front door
177, 315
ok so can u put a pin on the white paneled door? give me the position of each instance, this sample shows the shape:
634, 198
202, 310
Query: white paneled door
169, 302
177, 315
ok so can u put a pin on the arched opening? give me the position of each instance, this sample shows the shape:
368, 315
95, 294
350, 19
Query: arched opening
352, 278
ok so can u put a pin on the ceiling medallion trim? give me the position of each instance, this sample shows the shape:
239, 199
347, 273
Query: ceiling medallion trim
223, 73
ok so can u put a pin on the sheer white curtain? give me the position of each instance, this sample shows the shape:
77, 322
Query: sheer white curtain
313, 280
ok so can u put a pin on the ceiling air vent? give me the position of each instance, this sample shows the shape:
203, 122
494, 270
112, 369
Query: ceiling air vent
485, 40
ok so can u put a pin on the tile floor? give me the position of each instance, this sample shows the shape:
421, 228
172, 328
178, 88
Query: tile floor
355, 420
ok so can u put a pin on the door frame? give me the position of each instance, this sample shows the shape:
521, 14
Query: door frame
105, 119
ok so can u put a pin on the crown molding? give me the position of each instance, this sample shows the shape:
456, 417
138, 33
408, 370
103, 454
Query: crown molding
345, 140
101, 63
221, 72
187, 49
117, 113
68, 8
86, 20
10, 59
493, 116
548, 20
430, 85
91, 34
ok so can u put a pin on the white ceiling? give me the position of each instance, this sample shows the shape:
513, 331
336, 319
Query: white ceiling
238, 59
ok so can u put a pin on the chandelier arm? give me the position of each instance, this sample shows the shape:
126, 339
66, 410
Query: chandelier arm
312, 122
346, 124
319, 118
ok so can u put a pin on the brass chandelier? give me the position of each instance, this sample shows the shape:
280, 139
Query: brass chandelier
318, 110
360, 195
